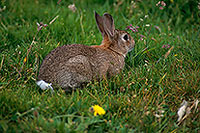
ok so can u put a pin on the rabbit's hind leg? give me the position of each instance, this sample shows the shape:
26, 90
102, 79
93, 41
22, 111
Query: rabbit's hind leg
71, 80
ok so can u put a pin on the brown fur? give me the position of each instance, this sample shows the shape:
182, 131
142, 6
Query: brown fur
71, 65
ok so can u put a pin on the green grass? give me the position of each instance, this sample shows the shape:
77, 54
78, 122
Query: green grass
150, 82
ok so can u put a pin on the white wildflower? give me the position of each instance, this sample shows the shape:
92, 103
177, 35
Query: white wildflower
72, 7
147, 25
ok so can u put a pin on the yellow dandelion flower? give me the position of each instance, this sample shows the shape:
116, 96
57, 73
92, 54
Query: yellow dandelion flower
97, 110
25, 59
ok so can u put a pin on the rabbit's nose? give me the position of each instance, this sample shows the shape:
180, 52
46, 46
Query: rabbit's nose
131, 46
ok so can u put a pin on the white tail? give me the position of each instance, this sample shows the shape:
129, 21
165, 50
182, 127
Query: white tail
44, 85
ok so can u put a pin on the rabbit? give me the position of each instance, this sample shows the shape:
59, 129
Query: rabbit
69, 66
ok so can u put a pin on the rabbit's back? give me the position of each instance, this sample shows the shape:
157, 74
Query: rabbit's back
65, 52
71, 65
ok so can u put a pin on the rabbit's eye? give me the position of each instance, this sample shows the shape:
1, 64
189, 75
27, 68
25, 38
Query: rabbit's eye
125, 37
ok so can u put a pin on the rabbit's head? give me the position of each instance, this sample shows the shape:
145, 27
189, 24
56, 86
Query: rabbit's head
116, 40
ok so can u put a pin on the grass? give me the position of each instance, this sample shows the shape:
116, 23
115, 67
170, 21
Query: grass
153, 83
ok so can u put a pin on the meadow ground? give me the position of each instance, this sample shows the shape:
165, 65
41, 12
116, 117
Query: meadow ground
160, 73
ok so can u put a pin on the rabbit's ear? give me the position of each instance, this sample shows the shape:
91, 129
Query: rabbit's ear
109, 25
99, 21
